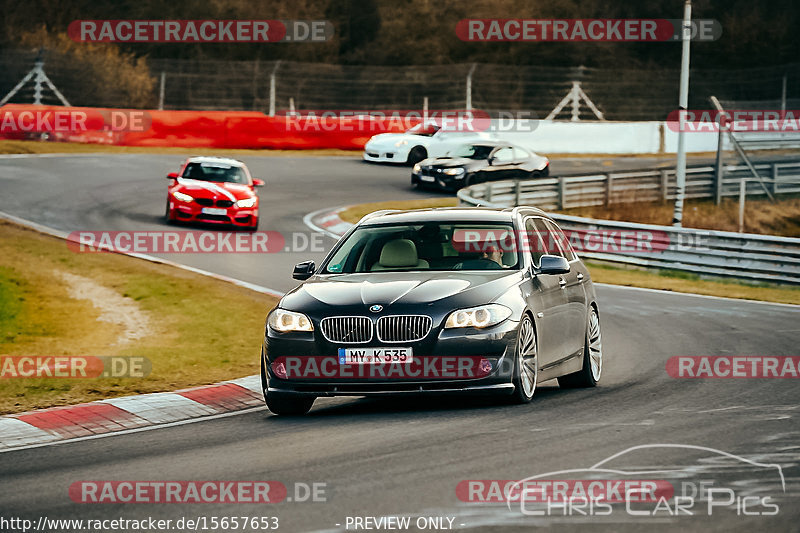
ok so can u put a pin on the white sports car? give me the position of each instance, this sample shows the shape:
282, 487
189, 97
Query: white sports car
420, 142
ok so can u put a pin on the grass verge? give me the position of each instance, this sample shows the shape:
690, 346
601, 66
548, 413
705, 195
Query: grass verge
354, 213
40, 147
202, 330
604, 273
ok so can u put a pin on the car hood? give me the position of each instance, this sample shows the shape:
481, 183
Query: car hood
213, 189
399, 289
451, 162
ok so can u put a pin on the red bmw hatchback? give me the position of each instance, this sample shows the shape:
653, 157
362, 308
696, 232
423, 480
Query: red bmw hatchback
213, 190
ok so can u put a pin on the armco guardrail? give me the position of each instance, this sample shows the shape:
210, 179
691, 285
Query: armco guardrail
720, 253
651, 185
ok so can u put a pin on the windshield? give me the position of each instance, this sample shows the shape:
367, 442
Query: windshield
473, 151
219, 172
434, 246
426, 130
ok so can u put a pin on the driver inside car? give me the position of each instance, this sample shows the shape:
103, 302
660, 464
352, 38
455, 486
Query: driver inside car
494, 253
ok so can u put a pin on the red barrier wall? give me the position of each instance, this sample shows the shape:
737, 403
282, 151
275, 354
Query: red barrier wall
212, 129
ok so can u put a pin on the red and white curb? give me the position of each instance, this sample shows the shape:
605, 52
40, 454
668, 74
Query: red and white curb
327, 221
128, 412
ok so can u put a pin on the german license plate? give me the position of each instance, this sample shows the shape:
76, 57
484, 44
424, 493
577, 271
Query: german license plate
374, 356
214, 211
427, 178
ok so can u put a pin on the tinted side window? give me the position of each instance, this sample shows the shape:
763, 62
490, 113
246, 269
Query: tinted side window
534, 242
561, 240
548, 238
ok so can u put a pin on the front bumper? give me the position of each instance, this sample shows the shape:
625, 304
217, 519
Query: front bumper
442, 181
191, 212
496, 345
383, 156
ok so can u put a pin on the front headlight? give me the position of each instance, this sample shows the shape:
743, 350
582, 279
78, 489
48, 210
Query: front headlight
247, 202
417, 168
478, 317
401, 143
182, 197
283, 321
453, 171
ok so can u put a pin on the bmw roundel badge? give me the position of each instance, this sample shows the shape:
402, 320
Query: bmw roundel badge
376, 308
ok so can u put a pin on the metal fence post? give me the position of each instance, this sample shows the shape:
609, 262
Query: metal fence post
487, 192
469, 87
517, 191
161, 91
561, 190
664, 185
272, 89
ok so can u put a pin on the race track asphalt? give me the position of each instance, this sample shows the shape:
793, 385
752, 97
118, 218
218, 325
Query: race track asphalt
406, 456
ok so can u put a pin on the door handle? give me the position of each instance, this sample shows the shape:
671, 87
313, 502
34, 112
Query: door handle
580, 276
562, 282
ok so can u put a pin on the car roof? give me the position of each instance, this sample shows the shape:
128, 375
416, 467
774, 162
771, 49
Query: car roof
450, 214
214, 159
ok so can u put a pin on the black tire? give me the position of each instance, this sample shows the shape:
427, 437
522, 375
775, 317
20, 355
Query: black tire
524, 390
254, 227
587, 376
283, 404
417, 154
166, 215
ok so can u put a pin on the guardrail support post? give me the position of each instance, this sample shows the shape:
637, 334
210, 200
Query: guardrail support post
609, 181
774, 175
517, 192
487, 192
719, 170
742, 196
664, 186
561, 190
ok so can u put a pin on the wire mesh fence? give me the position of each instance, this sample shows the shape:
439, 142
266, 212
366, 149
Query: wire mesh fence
620, 94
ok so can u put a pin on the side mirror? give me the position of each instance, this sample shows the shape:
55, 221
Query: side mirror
172, 176
257, 182
304, 270
553, 264
491, 160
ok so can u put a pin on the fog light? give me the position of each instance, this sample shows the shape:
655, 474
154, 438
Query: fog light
279, 370
485, 367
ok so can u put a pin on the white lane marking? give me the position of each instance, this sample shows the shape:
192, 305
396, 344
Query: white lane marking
161, 407
16, 432
693, 295
137, 430
209, 186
